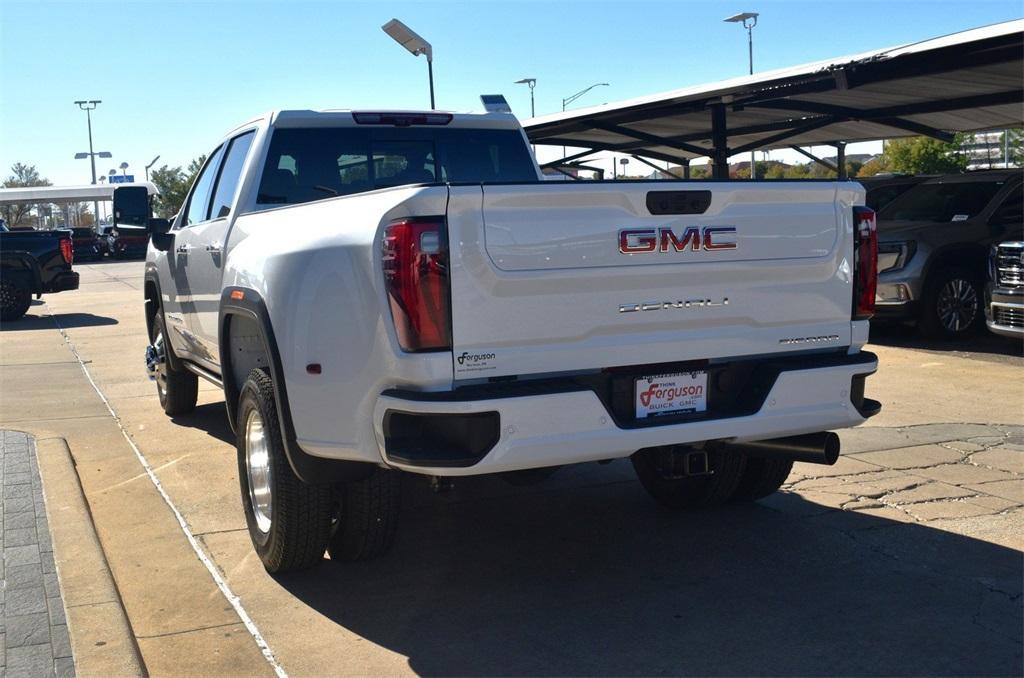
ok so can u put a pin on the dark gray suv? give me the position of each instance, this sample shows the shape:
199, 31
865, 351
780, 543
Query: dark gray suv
933, 245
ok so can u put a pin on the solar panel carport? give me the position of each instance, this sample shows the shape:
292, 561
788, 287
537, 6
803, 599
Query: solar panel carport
965, 82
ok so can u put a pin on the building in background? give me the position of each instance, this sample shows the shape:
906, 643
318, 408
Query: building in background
989, 150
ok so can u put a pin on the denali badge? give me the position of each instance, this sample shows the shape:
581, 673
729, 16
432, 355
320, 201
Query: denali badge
663, 305
824, 338
636, 240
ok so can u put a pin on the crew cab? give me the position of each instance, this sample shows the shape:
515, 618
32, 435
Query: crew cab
33, 262
385, 292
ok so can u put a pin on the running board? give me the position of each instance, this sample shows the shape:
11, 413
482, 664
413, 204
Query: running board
204, 373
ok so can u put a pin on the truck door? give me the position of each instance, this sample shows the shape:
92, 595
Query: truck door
179, 303
203, 245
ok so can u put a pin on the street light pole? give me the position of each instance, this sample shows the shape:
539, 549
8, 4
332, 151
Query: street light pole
88, 106
568, 100
150, 165
408, 39
748, 20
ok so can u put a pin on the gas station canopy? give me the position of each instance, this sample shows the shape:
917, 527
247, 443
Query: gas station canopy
57, 194
965, 82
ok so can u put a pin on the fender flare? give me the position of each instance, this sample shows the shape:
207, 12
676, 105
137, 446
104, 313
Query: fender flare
29, 267
309, 469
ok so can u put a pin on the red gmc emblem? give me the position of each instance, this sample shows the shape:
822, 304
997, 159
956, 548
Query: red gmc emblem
636, 240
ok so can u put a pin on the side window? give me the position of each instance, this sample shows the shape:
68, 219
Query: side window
1011, 212
230, 174
199, 202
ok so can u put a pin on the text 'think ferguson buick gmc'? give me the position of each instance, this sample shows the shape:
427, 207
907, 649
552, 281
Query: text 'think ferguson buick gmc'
387, 292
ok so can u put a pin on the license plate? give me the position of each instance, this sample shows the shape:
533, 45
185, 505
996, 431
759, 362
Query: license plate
676, 393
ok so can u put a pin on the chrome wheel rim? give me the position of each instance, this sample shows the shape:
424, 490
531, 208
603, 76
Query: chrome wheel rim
257, 465
161, 366
957, 305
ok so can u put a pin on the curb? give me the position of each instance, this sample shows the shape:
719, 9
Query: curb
102, 640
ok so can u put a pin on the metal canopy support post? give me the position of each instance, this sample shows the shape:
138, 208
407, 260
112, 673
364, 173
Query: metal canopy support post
823, 163
719, 141
841, 161
686, 169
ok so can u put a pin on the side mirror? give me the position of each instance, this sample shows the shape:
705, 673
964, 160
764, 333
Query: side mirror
131, 206
159, 226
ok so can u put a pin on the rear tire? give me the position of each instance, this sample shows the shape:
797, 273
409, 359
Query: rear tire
289, 521
367, 516
654, 469
951, 305
177, 388
15, 298
762, 477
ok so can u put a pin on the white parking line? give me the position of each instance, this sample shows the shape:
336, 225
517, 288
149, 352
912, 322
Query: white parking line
236, 603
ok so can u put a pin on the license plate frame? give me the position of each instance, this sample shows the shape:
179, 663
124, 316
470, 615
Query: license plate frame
672, 393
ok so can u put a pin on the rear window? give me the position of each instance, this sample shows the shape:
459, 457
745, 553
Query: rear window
305, 164
957, 201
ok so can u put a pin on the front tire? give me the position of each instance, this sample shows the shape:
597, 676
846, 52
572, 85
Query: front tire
177, 388
659, 473
951, 305
289, 521
15, 298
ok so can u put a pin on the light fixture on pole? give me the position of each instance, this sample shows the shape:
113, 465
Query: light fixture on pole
150, 165
124, 168
531, 82
748, 20
623, 162
408, 39
88, 106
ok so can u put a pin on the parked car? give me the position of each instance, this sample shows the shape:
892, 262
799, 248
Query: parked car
385, 291
126, 242
882, 189
1004, 294
933, 249
87, 245
33, 262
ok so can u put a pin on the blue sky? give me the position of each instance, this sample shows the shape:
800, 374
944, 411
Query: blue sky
174, 76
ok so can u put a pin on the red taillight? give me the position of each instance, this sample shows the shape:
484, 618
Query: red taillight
865, 262
67, 250
415, 262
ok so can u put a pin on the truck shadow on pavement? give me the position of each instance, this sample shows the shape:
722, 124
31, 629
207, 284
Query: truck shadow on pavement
209, 418
63, 320
584, 575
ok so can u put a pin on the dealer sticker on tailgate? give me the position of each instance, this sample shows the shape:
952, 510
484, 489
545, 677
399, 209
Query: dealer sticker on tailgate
671, 394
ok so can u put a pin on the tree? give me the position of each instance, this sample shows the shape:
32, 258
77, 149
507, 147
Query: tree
173, 184
924, 155
873, 167
22, 176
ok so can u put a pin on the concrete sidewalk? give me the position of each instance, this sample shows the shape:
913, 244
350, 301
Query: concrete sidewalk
179, 618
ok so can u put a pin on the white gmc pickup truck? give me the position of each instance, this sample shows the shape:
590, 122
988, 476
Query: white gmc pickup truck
379, 292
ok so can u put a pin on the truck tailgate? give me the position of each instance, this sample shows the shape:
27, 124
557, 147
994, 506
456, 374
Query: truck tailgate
559, 277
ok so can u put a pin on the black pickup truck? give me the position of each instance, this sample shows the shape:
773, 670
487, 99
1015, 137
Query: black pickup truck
33, 262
